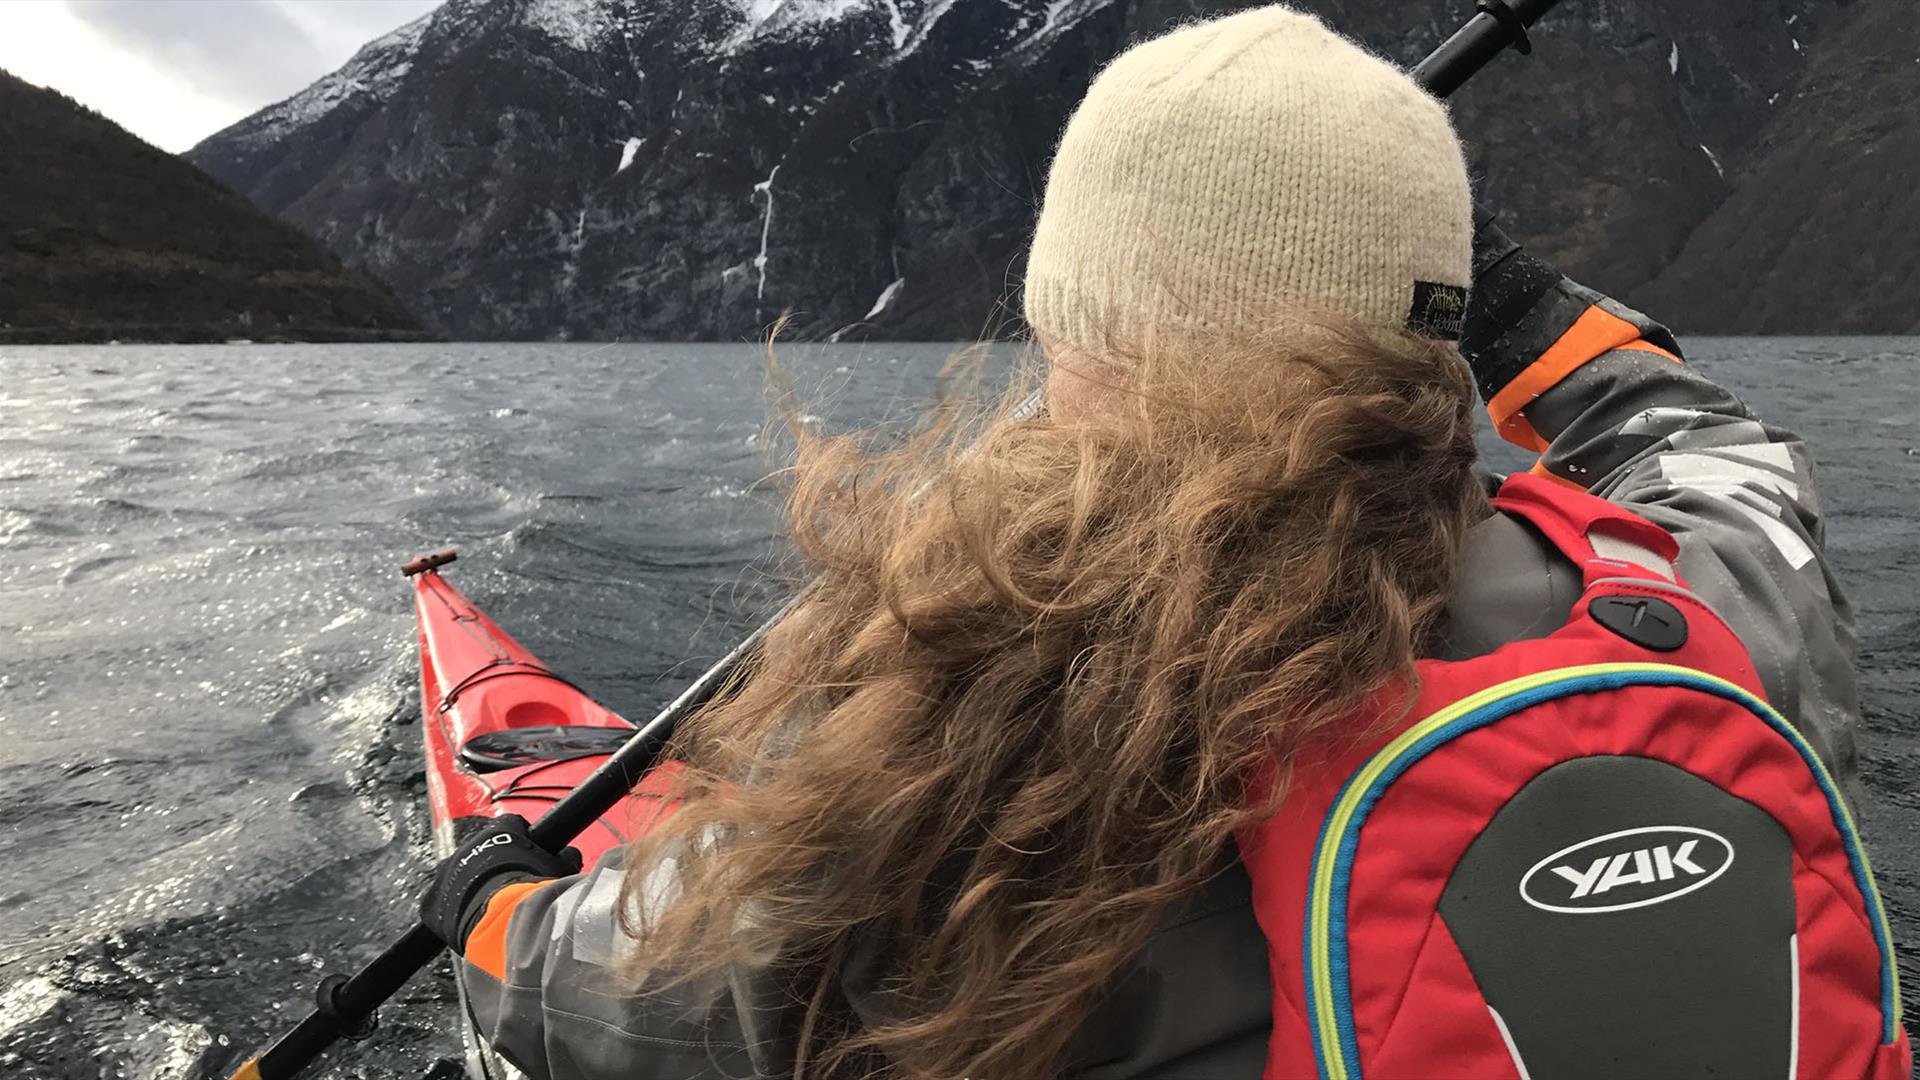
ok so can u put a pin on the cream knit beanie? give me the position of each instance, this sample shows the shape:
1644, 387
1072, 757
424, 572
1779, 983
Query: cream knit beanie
1235, 170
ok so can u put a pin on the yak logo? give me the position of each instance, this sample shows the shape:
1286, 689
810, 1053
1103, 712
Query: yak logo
1632, 868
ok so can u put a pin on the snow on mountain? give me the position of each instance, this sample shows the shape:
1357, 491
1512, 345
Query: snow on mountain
627, 152
838, 157
918, 35
578, 23
777, 16
370, 74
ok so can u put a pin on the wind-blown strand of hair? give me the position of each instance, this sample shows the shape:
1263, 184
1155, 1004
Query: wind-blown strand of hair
1023, 709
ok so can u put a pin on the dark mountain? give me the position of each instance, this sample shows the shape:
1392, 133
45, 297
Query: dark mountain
103, 236
631, 168
1822, 230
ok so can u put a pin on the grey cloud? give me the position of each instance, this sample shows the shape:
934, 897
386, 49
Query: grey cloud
345, 25
245, 52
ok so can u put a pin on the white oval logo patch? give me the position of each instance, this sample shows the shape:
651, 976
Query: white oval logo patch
1632, 868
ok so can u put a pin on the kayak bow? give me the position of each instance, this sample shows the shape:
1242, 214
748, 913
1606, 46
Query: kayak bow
504, 735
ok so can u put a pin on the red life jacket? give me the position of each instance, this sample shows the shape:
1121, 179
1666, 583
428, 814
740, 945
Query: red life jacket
1598, 853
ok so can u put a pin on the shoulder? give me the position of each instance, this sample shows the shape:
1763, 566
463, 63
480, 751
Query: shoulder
1513, 586
1197, 1002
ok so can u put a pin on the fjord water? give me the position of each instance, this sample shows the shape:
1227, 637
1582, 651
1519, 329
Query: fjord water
209, 770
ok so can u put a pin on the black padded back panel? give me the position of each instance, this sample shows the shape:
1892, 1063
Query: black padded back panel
1652, 935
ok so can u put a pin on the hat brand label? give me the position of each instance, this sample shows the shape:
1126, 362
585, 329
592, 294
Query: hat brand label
1438, 310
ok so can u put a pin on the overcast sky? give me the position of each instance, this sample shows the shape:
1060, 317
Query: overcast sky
176, 71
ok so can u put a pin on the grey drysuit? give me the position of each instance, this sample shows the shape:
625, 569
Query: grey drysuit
1638, 428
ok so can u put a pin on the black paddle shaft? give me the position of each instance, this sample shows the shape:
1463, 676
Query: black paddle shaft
1496, 25
348, 1006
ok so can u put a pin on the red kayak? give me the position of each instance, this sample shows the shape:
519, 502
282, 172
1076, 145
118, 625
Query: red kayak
504, 735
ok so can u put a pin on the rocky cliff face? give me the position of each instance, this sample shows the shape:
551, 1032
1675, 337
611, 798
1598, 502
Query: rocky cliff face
1822, 229
104, 237
627, 168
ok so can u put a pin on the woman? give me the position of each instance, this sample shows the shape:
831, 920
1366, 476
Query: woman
979, 806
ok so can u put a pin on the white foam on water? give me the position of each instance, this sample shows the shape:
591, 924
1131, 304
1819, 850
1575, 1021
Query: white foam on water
350, 616
26, 1001
170, 1050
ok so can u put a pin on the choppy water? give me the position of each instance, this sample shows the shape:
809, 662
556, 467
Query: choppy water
209, 778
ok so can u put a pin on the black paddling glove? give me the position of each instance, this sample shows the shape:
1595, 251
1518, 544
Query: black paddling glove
1508, 283
490, 858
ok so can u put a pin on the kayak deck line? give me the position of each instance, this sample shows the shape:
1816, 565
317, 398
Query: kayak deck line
489, 673
548, 794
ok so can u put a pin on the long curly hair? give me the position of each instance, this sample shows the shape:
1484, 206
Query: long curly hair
1019, 713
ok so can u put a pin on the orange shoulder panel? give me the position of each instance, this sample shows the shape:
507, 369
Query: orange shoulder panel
1595, 332
1540, 470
